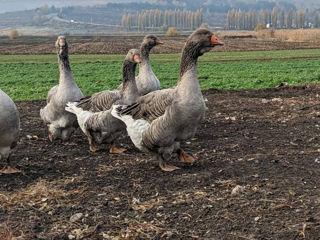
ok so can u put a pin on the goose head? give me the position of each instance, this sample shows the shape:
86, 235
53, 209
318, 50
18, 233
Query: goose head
202, 41
133, 56
62, 46
151, 41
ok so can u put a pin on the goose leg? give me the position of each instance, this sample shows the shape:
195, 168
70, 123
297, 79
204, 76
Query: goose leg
8, 169
65, 135
92, 147
50, 137
184, 157
165, 167
114, 149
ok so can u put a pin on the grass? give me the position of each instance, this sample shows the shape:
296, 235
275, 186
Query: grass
28, 77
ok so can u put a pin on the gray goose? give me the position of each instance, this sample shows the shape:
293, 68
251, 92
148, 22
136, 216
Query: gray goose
61, 124
101, 126
9, 130
147, 80
158, 121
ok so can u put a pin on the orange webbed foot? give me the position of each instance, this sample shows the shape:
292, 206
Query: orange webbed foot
93, 148
184, 157
9, 170
114, 149
167, 168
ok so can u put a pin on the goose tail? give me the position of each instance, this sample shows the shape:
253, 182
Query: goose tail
72, 107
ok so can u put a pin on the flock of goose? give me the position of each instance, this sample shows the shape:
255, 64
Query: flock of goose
156, 120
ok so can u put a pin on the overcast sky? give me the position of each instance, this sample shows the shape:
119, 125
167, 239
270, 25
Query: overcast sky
16, 5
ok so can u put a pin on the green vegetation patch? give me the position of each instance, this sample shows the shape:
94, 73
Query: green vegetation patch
30, 77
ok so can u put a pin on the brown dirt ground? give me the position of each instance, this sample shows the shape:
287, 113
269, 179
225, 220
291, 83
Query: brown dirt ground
121, 44
259, 140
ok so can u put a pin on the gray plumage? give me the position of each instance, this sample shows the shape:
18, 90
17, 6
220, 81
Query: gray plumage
101, 126
146, 80
9, 125
61, 124
169, 116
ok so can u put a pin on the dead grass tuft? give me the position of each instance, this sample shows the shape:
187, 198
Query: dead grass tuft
5, 232
265, 34
143, 230
293, 35
39, 193
289, 35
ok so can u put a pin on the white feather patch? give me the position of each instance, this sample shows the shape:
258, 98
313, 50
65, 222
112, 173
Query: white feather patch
135, 128
82, 116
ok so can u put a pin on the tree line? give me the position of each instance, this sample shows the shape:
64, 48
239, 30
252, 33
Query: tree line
242, 20
162, 20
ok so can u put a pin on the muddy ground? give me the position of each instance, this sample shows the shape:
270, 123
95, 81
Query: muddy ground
121, 44
257, 177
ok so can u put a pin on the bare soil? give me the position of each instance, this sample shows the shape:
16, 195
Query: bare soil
121, 44
257, 177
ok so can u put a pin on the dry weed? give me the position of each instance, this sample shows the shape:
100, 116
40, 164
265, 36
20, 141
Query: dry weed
292, 35
39, 193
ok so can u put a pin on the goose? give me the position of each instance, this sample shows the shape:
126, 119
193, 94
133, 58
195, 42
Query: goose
158, 121
146, 79
61, 124
9, 130
102, 126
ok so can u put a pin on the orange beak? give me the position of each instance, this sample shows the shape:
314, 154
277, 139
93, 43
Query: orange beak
215, 41
136, 58
159, 41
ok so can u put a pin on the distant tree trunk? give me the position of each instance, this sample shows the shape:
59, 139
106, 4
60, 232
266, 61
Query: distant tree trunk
282, 16
261, 16
290, 18
250, 20
228, 25
317, 20
274, 18
254, 19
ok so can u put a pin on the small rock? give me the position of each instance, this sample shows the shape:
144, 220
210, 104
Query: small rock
76, 217
70, 236
276, 100
106, 236
317, 160
29, 137
256, 219
282, 84
237, 190
264, 100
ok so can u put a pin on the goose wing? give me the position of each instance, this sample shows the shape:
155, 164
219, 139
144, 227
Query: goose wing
100, 101
51, 93
151, 106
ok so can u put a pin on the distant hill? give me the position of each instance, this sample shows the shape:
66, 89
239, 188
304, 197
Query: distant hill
107, 17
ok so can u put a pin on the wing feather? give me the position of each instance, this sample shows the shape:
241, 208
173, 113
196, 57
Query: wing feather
100, 101
151, 106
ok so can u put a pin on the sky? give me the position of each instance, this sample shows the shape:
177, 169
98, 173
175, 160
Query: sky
17, 5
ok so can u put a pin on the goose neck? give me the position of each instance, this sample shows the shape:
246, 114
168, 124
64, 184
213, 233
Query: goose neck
189, 61
66, 76
129, 89
145, 51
